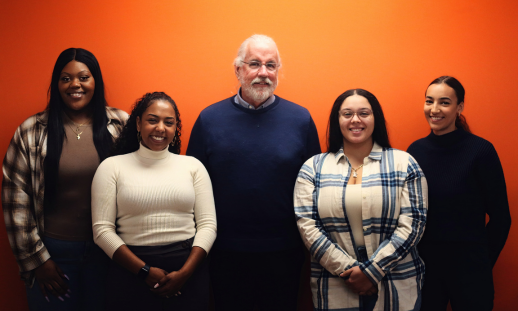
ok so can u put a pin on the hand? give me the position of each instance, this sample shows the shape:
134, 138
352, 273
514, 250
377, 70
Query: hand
50, 278
358, 282
170, 284
155, 275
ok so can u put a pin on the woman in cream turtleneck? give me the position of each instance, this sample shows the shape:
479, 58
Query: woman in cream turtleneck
153, 214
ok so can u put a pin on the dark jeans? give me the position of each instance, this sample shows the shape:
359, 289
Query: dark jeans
460, 273
86, 265
125, 291
268, 280
367, 303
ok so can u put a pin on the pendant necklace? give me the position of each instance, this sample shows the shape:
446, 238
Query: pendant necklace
355, 175
77, 131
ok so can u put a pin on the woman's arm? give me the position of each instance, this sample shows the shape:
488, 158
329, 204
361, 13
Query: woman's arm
331, 256
490, 177
410, 226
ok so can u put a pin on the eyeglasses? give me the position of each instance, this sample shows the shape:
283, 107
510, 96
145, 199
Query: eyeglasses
254, 65
362, 114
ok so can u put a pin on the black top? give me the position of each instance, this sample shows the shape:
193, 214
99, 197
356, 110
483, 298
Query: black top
465, 182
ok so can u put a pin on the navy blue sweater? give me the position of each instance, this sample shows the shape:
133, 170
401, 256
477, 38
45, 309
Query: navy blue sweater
253, 158
465, 181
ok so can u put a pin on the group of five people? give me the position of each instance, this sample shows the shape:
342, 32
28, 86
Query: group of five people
254, 162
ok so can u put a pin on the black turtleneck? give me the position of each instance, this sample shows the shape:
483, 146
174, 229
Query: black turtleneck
465, 182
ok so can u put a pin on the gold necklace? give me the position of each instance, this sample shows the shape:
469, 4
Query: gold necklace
76, 131
354, 173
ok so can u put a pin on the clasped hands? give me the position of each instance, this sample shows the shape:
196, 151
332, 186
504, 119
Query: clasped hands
358, 282
165, 284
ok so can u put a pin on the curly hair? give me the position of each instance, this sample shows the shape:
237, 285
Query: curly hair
128, 141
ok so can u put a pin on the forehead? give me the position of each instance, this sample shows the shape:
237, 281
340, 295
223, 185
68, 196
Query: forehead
441, 90
75, 66
262, 51
355, 102
161, 108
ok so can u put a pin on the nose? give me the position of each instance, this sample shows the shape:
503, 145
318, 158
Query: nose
75, 83
435, 108
160, 127
262, 72
355, 118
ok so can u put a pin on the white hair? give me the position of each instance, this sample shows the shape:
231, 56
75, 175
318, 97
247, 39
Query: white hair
244, 47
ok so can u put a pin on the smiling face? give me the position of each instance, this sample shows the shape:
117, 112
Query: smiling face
441, 108
356, 120
76, 86
157, 125
257, 85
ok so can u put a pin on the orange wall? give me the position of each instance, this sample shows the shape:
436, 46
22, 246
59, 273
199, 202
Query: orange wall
186, 48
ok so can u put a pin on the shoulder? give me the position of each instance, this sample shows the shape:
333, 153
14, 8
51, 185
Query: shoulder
292, 107
116, 115
402, 158
117, 161
218, 107
187, 161
417, 144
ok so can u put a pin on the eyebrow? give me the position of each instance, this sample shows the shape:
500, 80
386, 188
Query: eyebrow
154, 115
444, 97
63, 72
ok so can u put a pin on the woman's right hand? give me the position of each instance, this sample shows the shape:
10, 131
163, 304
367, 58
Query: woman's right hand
155, 275
50, 278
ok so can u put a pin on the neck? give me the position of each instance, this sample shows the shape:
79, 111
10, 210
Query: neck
79, 117
357, 152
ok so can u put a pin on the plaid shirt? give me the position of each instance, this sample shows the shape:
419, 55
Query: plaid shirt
23, 188
394, 205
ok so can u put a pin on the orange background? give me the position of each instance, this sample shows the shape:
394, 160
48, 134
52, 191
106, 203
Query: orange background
186, 48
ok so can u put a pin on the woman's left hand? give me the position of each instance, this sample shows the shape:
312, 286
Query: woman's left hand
170, 284
358, 282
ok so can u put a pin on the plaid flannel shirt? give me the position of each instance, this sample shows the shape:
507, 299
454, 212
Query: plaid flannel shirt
394, 206
23, 188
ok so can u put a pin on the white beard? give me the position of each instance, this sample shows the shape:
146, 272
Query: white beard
256, 95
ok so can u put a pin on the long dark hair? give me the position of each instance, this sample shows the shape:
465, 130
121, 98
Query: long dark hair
56, 132
128, 141
334, 134
460, 121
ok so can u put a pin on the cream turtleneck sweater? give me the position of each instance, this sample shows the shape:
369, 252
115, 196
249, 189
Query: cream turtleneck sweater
151, 198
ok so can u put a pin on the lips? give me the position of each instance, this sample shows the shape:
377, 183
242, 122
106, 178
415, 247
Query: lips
157, 138
436, 119
76, 94
356, 130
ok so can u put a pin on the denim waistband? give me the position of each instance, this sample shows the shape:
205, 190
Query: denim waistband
161, 249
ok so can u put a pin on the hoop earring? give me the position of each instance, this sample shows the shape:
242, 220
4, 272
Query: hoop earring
139, 137
172, 143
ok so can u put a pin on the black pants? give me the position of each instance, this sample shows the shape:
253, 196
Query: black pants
460, 273
124, 291
241, 281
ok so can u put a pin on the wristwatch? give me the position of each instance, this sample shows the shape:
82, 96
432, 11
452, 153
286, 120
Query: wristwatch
143, 272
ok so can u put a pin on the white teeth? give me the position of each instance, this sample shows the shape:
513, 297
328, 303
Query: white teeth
157, 138
435, 118
356, 130
75, 94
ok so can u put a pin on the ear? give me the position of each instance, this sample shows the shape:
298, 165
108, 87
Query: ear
460, 108
138, 124
236, 71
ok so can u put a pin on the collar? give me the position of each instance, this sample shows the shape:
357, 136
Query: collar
240, 101
150, 154
375, 154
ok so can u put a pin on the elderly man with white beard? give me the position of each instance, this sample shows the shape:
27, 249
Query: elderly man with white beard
253, 144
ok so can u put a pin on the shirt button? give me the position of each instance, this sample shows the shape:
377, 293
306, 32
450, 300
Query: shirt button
364, 229
364, 196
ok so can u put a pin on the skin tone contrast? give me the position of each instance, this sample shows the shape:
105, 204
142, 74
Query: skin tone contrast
441, 108
258, 85
76, 86
158, 125
357, 137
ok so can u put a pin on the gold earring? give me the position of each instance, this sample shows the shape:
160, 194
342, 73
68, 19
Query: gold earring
172, 143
